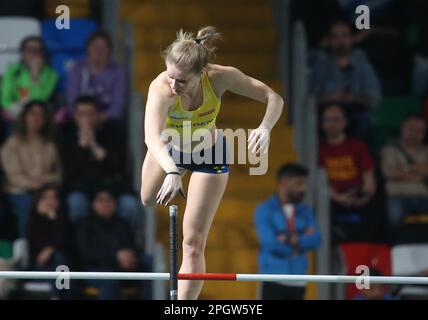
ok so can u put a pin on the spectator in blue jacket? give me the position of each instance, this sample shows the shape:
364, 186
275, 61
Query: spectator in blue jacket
287, 231
344, 74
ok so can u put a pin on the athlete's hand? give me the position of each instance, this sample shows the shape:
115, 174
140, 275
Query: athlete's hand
258, 141
171, 185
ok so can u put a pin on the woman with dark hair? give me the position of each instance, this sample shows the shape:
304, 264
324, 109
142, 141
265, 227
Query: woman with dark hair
99, 76
48, 231
30, 159
29, 79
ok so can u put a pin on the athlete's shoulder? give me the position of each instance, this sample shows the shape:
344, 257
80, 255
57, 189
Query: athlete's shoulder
220, 77
218, 71
159, 87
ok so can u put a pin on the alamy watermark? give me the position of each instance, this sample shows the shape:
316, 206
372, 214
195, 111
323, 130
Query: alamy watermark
63, 20
62, 282
198, 147
363, 280
363, 20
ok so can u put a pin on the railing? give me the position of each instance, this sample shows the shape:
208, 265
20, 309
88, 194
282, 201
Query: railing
305, 128
281, 16
299, 90
110, 19
136, 151
324, 253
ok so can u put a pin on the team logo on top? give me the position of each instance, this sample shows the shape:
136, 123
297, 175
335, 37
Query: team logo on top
179, 116
206, 113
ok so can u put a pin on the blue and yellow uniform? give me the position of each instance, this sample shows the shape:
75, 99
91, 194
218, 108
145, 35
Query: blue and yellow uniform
204, 117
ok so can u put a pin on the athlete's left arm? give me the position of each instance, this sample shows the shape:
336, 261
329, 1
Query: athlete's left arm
237, 82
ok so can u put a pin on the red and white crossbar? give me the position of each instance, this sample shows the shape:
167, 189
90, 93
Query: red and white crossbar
153, 276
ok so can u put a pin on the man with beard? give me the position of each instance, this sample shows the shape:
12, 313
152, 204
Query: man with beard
344, 75
287, 231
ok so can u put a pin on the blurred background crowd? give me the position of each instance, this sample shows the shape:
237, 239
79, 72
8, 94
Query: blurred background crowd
353, 139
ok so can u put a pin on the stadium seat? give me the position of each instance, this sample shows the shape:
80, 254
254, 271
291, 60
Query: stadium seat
394, 109
390, 114
407, 260
66, 40
5, 249
62, 62
65, 46
10, 41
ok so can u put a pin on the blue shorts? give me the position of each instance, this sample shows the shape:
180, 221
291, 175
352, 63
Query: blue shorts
217, 158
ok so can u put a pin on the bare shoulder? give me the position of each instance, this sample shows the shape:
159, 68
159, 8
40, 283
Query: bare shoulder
219, 76
160, 89
217, 71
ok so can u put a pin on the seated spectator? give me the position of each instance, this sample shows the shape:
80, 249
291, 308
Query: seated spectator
105, 243
376, 291
30, 159
405, 167
30, 79
3, 133
3, 136
93, 152
350, 169
287, 231
100, 77
345, 75
7, 220
49, 234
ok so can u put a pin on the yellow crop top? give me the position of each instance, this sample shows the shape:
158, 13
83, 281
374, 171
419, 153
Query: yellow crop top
203, 117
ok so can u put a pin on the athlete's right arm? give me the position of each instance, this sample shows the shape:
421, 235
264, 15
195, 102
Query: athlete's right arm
158, 102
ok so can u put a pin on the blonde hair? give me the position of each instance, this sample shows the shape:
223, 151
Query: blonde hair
192, 53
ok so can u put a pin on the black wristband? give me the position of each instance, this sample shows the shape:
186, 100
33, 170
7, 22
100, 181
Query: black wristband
173, 172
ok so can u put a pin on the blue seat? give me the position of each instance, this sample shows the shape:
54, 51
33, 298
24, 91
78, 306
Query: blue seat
65, 46
67, 39
62, 63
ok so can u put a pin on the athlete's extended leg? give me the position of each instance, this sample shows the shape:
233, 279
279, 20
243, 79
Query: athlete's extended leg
203, 198
152, 177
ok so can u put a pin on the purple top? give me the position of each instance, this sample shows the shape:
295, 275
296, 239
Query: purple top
108, 87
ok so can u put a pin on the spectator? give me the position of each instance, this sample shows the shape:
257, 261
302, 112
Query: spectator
49, 234
405, 167
346, 76
30, 159
7, 219
92, 151
376, 291
105, 243
3, 136
30, 79
3, 133
350, 169
100, 77
287, 231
